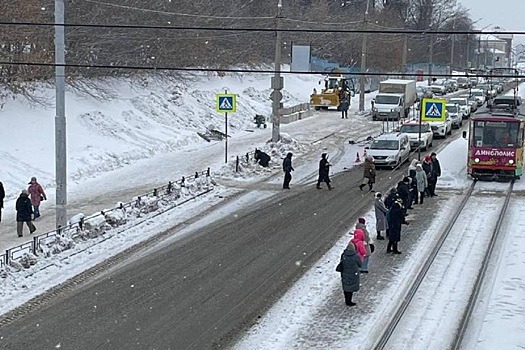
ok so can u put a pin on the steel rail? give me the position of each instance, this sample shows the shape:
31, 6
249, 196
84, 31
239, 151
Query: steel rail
398, 315
458, 339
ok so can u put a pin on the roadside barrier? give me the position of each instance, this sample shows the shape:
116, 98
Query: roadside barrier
84, 228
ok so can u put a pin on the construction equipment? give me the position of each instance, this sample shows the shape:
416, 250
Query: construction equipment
336, 87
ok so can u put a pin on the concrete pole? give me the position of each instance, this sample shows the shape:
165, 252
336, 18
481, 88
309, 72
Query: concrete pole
430, 59
405, 54
363, 71
60, 118
276, 82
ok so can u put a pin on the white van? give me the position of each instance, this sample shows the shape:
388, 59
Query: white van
389, 150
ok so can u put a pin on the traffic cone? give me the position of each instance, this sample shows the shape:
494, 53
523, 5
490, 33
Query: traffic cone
364, 153
357, 160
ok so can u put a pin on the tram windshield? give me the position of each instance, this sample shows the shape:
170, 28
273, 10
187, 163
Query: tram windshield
496, 134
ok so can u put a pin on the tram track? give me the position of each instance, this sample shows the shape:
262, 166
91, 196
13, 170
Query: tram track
412, 295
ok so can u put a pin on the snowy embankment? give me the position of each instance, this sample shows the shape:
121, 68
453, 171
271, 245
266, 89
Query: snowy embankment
121, 121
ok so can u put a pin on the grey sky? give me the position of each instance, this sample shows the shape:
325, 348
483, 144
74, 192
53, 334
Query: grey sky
508, 14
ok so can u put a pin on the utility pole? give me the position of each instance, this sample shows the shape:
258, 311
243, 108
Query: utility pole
453, 39
363, 63
277, 81
405, 54
430, 59
60, 118
467, 65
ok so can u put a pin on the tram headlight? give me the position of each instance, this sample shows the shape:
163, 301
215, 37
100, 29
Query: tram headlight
476, 160
511, 161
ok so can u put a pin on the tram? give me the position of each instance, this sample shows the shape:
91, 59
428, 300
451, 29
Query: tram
496, 140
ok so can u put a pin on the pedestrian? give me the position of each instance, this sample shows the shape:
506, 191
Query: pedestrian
368, 242
412, 177
381, 221
395, 222
37, 195
435, 173
349, 268
421, 183
359, 243
23, 213
2, 196
369, 174
287, 168
403, 190
391, 198
427, 167
324, 172
261, 158
344, 104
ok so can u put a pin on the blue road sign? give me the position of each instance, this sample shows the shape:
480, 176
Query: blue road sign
226, 103
433, 110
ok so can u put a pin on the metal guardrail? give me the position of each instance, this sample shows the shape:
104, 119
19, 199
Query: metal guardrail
34, 246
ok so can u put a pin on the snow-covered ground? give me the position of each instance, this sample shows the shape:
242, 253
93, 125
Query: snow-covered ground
146, 136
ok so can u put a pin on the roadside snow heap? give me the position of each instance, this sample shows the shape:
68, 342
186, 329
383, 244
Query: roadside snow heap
83, 232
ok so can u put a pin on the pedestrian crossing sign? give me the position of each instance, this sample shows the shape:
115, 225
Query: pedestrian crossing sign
433, 110
226, 103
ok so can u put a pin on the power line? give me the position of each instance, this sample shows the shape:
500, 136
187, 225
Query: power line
255, 71
255, 29
168, 13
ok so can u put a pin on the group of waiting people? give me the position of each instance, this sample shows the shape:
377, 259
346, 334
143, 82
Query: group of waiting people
390, 216
27, 205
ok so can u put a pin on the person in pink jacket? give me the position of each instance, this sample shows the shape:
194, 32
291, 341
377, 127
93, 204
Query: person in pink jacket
359, 243
37, 195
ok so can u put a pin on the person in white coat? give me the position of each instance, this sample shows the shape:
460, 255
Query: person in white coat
422, 183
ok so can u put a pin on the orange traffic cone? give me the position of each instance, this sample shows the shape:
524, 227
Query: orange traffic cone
357, 160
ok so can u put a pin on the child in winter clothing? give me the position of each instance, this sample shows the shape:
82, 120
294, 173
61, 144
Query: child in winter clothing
368, 242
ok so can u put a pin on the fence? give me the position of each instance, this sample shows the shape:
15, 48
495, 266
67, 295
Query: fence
295, 113
40, 241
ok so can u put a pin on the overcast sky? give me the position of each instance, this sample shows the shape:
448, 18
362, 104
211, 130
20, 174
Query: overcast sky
508, 14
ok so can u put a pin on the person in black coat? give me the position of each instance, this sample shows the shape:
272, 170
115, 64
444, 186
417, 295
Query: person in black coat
287, 168
349, 267
2, 196
404, 193
395, 222
262, 158
24, 211
324, 172
435, 173
391, 198
427, 167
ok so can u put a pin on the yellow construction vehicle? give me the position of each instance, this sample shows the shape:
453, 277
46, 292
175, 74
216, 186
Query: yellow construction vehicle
335, 85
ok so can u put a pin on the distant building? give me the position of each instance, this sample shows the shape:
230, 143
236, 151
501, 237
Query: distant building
495, 51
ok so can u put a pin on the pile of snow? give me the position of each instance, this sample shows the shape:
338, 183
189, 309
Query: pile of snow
129, 122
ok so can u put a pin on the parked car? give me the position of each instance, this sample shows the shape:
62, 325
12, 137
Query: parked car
412, 130
442, 129
454, 84
423, 92
473, 104
464, 83
463, 103
455, 115
389, 150
479, 95
438, 89
473, 81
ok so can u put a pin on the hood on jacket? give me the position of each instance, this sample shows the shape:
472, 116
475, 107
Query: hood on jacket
413, 164
359, 235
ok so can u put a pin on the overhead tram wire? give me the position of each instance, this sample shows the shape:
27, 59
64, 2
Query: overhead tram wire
239, 29
237, 70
